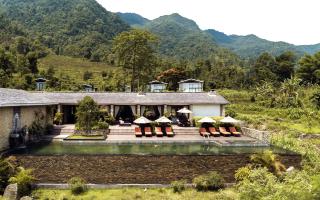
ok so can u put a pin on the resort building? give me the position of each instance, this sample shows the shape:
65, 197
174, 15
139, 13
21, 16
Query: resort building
157, 86
20, 108
191, 85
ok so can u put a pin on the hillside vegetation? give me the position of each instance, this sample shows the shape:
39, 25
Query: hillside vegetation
248, 46
83, 28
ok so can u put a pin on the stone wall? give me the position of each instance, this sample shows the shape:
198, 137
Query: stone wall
263, 136
6, 120
136, 169
6, 117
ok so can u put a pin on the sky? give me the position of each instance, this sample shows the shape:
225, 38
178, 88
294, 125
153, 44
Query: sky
293, 21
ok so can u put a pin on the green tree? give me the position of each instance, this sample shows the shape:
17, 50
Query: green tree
87, 114
263, 69
286, 64
309, 68
315, 99
134, 51
172, 77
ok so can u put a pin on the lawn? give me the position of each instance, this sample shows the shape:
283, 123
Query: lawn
135, 193
86, 137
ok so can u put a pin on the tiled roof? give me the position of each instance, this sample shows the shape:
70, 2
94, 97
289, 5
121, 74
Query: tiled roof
169, 98
12, 97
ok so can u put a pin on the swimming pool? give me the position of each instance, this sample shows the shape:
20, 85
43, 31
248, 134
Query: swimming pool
141, 149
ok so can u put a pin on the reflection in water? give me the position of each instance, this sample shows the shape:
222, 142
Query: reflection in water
143, 149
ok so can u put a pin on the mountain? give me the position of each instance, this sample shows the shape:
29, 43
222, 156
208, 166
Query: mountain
10, 29
251, 45
133, 19
78, 28
174, 28
181, 38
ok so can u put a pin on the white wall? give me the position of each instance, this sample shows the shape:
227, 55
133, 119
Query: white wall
206, 110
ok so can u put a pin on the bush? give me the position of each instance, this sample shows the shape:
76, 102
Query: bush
77, 185
178, 186
102, 125
24, 179
242, 173
212, 181
7, 169
231, 113
58, 118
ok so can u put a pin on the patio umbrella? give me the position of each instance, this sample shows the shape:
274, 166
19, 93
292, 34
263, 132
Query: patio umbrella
163, 120
207, 120
184, 111
142, 120
229, 120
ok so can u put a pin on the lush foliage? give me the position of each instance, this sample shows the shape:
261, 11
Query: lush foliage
134, 52
211, 181
24, 179
135, 193
178, 186
7, 169
84, 29
77, 185
87, 114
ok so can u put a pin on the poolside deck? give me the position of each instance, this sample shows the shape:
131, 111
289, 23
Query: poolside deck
183, 135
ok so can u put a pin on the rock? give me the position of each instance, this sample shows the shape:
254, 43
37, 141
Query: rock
11, 192
290, 169
26, 198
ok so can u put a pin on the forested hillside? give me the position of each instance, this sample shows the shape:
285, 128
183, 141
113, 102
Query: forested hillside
248, 46
181, 38
83, 28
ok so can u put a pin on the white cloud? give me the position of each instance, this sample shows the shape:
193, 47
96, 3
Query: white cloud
294, 21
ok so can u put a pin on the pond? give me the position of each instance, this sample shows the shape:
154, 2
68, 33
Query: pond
141, 149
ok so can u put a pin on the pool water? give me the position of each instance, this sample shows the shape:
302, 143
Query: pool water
141, 149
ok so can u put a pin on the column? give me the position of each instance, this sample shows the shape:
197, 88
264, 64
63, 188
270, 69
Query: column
191, 115
112, 110
59, 108
165, 109
222, 110
138, 110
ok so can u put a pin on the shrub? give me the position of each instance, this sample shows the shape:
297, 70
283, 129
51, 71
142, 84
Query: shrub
242, 173
102, 125
87, 114
7, 169
212, 181
24, 179
231, 112
269, 160
77, 185
58, 118
178, 186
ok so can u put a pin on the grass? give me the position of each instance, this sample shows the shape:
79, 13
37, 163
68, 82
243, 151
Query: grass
274, 119
135, 193
86, 137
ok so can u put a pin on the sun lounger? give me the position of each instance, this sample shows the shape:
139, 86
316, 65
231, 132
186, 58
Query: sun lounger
137, 132
158, 132
203, 132
234, 132
169, 132
214, 132
147, 131
224, 132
